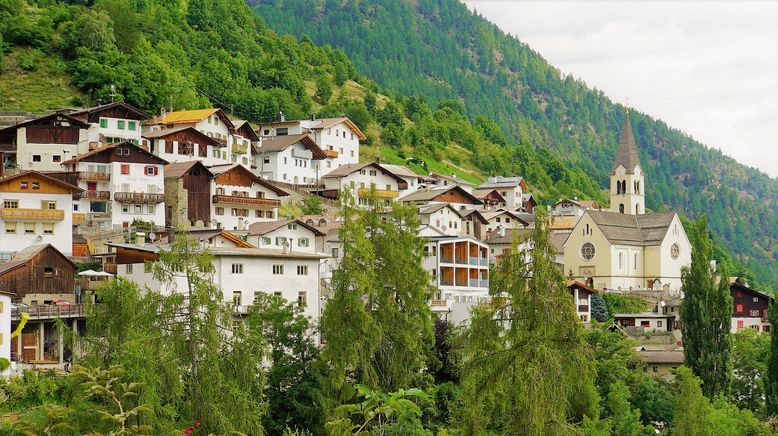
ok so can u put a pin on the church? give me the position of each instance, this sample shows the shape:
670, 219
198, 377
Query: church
626, 247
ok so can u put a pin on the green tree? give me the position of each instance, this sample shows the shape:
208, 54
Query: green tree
376, 412
706, 315
691, 406
771, 379
323, 89
529, 332
626, 420
599, 309
377, 325
311, 205
750, 353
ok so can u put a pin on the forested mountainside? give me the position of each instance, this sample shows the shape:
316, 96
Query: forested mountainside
439, 49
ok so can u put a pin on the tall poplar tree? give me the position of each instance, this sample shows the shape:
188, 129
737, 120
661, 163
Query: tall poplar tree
528, 369
706, 316
377, 325
771, 382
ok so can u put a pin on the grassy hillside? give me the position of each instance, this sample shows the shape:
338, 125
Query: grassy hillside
35, 83
438, 49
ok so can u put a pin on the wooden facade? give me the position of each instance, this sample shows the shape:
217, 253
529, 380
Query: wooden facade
119, 110
125, 152
197, 183
47, 271
33, 182
459, 196
747, 302
50, 129
185, 141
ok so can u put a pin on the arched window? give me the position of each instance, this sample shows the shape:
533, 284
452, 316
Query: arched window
618, 187
623, 186
621, 208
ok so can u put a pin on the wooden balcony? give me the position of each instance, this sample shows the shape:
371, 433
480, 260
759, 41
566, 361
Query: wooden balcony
110, 268
331, 153
33, 214
239, 148
583, 308
380, 193
245, 201
79, 218
94, 176
138, 197
93, 195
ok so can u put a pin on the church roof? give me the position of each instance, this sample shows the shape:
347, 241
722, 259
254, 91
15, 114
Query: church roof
627, 152
641, 230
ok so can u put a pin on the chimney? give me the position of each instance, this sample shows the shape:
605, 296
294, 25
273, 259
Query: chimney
281, 116
162, 112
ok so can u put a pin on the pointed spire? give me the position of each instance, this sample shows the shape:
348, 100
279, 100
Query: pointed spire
627, 152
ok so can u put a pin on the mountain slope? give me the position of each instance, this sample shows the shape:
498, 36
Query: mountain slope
439, 49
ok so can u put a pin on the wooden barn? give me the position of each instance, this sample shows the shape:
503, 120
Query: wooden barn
39, 274
187, 194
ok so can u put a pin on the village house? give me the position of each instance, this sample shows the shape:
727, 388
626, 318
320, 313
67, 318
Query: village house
501, 242
241, 198
491, 198
187, 195
503, 219
291, 159
41, 144
121, 183
244, 143
337, 137
285, 235
456, 195
625, 248
528, 202
437, 180
582, 299
572, 208
413, 181
459, 270
360, 179
443, 217
185, 144
39, 274
473, 224
661, 363
510, 188
646, 322
36, 209
112, 123
749, 307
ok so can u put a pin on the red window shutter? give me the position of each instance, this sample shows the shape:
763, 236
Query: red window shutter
125, 169
740, 324
757, 328
739, 308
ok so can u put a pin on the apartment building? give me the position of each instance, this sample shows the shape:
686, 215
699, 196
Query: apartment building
240, 198
36, 209
42, 144
121, 183
285, 235
510, 188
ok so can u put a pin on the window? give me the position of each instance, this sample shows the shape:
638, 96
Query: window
138, 209
36, 158
659, 323
103, 123
335, 252
50, 205
739, 324
56, 158
755, 299
282, 131
655, 368
10, 227
236, 297
48, 228
23, 185
125, 169
753, 312
130, 125
36, 185
125, 208
280, 240
636, 262
739, 308
151, 171
302, 270
587, 251
151, 209
237, 268
302, 298
278, 269
120, 124
621, 256
266, 240
303, 242
675, 251
269, 214
10, 204
645, 323
219, 211
49, 271
128, 268
291, 226
29, 228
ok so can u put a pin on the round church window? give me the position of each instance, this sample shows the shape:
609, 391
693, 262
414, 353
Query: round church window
675, 251
587, 251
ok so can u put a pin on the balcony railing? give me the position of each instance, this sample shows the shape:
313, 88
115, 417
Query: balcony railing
380, 193
484, 261
110, 268
238, 148
94, 195
138, 197
33, 214
93, 176
78, 218
51, 311
249, 201
583, 308
302, 154
331, 153
447, 258
473, 260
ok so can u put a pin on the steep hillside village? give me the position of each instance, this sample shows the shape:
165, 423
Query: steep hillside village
112, 186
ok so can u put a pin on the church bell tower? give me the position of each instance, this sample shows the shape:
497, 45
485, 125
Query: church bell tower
627, 184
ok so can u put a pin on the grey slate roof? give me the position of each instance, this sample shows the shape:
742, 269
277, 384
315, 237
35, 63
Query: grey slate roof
641, 230
500, 182
627, 153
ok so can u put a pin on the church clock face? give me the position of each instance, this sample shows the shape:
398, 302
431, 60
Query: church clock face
675, 251
587, 251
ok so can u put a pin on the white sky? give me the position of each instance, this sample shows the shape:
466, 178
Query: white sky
709, 68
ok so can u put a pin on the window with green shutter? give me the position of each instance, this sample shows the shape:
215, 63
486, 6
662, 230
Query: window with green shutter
120, 124
103, 123
131, 125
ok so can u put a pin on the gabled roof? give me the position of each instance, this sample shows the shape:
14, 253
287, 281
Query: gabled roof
503, 182
156, 134
23, 256
54, 117
108, 149
483, 193
490, 215
345, 170
191, 117
432, 208
506, 236
329, 122
217, 170
738, 285
454, 179
579, 285
400, 170
473, 213
178, 169
586, 204
245, 129
275, 144
212, 233
263, 228
429, 194
72, 188
641, 230
627, 152
119, 104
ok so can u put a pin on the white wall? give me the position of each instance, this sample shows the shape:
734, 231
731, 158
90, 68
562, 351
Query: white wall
5, 326
445, 220
332, 138
62, 237
357, 180
230, 222
47, 152
290, 165
137, 181
112, 130
292, 232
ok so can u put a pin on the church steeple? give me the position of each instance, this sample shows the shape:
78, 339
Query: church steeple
627, 175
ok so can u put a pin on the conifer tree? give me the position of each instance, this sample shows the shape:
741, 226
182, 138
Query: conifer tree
377, 325
527, 365
771, 381
691, 406
706, 316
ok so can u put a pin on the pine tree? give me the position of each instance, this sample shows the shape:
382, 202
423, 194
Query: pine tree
706, 315
527, 365
771, 382
599, 309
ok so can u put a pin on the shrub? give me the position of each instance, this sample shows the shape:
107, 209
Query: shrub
28, 60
